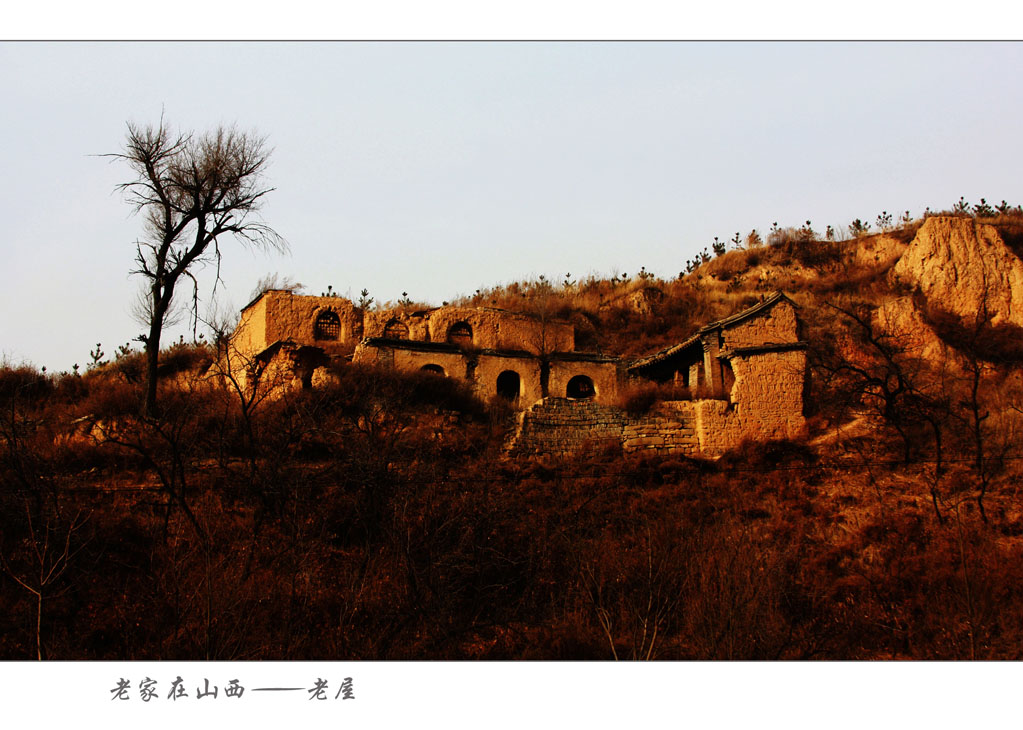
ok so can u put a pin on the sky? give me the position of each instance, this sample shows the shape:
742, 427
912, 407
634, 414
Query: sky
439, 168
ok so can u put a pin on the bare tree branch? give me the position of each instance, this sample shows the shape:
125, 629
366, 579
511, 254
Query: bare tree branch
191, 189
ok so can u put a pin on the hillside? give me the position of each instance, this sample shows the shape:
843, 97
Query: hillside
376, 515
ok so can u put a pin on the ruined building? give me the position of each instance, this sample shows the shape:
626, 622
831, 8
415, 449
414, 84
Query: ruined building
499, 353
745, 373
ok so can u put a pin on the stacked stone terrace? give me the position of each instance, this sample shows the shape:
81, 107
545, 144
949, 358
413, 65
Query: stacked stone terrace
560, 427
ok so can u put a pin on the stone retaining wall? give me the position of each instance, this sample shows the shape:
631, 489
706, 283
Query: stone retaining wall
559, 427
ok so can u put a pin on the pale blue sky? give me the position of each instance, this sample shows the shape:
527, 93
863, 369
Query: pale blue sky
437, 168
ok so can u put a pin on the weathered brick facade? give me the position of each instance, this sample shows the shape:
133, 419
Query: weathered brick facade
749, 370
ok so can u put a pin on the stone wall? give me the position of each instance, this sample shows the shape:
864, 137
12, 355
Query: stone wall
768, 393
669, 428
560, 427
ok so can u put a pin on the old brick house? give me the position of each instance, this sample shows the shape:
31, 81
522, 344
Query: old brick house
745, 373
499, 353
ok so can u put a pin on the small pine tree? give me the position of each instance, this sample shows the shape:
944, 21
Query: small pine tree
365, 301
983, 210
858, 228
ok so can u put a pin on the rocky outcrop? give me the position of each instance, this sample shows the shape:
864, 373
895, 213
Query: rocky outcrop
900, 318
957, 264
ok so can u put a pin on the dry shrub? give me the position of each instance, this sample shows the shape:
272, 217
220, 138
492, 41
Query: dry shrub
638, 398
728, 266
184, 357
23, 383
769, 455
818, 255
360, 387
786, 238
111, 399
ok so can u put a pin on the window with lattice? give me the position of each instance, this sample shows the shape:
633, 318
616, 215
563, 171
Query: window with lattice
327, 327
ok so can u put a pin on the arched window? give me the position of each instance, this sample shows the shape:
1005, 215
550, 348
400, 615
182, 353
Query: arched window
509, 385
580, 387
396, 330
327, 326
433, 369
460, 333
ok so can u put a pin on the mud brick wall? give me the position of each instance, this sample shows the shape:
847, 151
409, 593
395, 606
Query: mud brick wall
491, 328
767, 403
490, 367
375, 322
777, 325
290, 317
603, 374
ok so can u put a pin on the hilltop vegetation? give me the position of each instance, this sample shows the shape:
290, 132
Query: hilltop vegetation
374, 517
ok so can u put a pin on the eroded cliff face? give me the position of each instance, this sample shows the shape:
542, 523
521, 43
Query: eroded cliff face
957, 263
900, 318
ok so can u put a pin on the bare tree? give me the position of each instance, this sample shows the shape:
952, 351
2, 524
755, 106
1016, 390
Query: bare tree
884, 373
50, 552
192, 189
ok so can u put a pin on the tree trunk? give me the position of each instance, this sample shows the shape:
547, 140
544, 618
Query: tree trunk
39, 625
160, 306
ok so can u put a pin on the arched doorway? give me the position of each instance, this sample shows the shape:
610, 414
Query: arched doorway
509, 385
580, 387
433, 369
